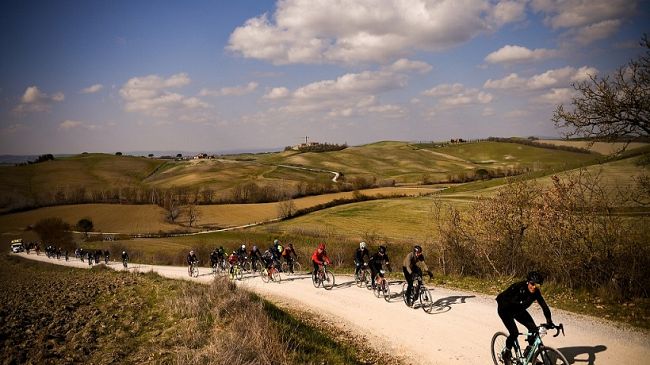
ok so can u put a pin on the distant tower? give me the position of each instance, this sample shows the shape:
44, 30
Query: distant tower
306, 139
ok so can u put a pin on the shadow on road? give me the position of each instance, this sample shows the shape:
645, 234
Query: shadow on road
582, 354
343, 285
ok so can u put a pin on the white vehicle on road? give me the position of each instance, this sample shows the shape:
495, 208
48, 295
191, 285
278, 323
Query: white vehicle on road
17, 246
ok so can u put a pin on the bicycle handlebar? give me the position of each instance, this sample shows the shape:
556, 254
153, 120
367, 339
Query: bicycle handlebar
558, 328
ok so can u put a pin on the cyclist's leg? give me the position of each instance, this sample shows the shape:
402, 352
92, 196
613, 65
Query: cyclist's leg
290, 263
357, 267
524, 318
508, 319
315, 267
409, 288
373, 273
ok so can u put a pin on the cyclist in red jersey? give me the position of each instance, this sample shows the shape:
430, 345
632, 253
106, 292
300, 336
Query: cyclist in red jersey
319, 257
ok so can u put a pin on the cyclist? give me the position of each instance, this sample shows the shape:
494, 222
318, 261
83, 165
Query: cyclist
191, 260
221, 254
125, 258
376, 261
268, 259
411, 268
241, 254
359, 255
214, 258
232, 260
287, 255
107, 256
319, 257
255, 255
512, 305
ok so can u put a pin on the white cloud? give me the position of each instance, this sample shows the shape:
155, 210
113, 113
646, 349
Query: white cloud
511, 81
556, 96
505, 12
231, 91
405, 65
444, 90
277, 93
516, 114
340, 31
515, 54
560, 77
586, 20
70, 124
92, 89
150, 95
34, 100
457, 95
602, 30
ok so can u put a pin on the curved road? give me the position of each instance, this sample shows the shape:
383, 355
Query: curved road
458, 332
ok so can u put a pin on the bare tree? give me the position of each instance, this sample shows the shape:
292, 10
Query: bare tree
286, 208
192, 214
611, 108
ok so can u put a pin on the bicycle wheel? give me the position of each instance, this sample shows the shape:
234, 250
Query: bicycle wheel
239, 273
257, 267
315, 279
264, 274
549, 356
377, 289
275, 276
195, 271
386, 290
297, 267
425, 299
496, 346
404, 286
328, 282
358, 279
246, 266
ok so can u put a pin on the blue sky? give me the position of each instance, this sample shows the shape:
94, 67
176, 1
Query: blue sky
106, 76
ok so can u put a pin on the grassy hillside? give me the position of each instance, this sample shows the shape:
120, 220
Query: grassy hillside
125, 218
102, 316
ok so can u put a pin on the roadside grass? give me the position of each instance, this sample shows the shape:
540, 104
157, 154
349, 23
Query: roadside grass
100, 316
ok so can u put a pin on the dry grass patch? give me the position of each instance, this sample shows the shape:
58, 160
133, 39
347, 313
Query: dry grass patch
106, 217
604, 148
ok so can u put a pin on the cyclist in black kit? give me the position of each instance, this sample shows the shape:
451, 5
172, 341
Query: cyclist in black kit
191, 259
359, 255
512, 305
376, 262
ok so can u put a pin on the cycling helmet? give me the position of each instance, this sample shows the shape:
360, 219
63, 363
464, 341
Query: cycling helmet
535, 277
275, 242
254, 248
417, 248
291, 245
123, 252
321, 246
191, 252
382, 249
362, 245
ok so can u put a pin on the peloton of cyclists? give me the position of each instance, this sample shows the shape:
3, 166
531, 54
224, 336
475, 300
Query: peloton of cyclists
411, 269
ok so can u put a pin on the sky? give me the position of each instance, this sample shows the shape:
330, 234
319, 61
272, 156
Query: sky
211, 76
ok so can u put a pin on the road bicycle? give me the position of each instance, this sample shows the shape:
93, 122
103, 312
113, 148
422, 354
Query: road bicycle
271, 274
362, 278
537, 354
421, 292
194, 269
382, 288
236, 272
323, 277
295, 267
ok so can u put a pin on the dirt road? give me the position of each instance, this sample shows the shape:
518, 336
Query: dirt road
457, 332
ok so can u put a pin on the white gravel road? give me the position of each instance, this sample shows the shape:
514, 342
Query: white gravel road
459, 332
